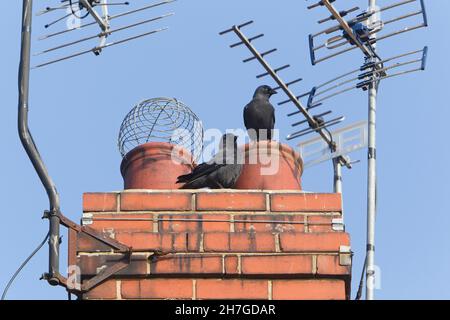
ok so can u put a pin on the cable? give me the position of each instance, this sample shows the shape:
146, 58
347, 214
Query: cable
361, 282
23, 265
74, 13
331, 136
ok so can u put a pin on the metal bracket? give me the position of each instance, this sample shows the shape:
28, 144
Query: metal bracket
338, 224
119, 247
106, 273
345, 256
87, 219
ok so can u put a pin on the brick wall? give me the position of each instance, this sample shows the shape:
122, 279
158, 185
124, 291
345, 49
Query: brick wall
216, 245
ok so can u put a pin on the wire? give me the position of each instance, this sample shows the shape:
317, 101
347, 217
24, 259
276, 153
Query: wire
23, 266
361, 282
331, 136
74, 13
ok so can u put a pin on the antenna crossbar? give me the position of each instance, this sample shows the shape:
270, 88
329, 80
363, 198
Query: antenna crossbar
348, 30
120, 15
98, 48
367, 41
314, 125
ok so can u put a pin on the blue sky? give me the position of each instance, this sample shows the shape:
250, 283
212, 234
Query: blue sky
77, 106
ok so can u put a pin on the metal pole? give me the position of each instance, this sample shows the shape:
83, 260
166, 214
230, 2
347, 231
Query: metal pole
337, 166
337, 175
30, 147
371, 185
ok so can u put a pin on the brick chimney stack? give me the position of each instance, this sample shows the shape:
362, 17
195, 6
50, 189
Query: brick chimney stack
221, 244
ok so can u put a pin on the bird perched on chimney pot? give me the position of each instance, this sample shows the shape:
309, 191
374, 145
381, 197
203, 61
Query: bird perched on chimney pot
259, 114
221, 172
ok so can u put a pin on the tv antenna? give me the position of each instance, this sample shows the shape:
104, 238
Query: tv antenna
364, 31
98, 12
314, 123
95, 13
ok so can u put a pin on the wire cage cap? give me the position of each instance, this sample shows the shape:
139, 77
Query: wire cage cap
161, 120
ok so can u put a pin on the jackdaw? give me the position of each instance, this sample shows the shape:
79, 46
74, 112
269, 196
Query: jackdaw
221, 172
259, 114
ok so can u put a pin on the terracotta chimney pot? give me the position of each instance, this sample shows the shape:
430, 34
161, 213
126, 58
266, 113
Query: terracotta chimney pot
270, 165
155, 165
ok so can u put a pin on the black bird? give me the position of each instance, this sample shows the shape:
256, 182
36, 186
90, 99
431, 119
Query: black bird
221, 172
259, 114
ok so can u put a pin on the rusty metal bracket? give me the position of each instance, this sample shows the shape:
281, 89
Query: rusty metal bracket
119, 247
106, 273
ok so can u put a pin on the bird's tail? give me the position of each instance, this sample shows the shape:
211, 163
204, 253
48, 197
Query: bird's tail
184, 178
186, 186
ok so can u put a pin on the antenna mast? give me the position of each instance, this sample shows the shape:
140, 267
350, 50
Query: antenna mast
371, 174
364, 32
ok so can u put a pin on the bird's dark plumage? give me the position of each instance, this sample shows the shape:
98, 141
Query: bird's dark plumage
259, 114
221, 172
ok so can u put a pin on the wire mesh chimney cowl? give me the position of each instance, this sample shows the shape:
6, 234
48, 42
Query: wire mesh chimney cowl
161, 120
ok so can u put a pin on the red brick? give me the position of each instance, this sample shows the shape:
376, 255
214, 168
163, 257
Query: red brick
277, 265
194, 242
308, 290
306, 202
313, 242
157, 289
231, 265
231, 201
329, 265
105, 290
86, 243
123, 222
320, 223
186, 264
100, 202
199, 223
92, 265
239, 242
139, 201
281, 223
232, 289
164, 242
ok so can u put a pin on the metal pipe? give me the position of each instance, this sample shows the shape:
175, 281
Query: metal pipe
30, 147
337, 168
213, 221
337, 175
371, 184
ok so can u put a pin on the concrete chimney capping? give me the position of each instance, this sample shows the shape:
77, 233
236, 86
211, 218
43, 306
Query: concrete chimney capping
225, 244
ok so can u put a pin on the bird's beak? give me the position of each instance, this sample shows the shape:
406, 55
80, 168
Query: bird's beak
272, 92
